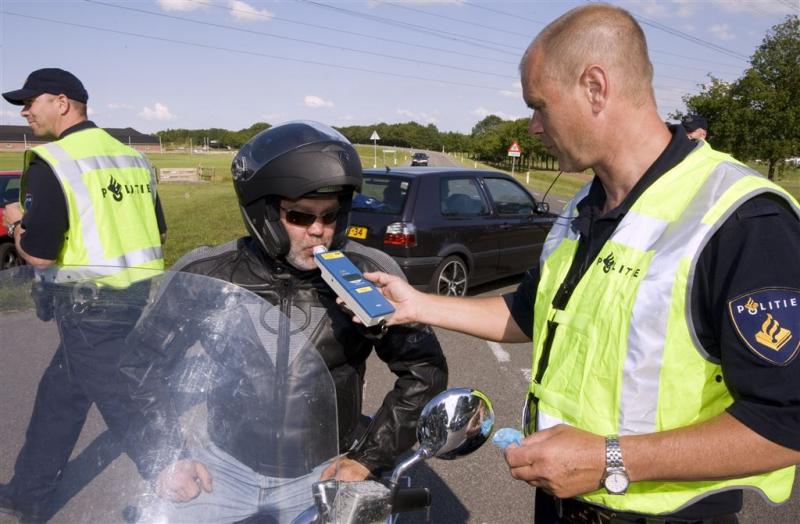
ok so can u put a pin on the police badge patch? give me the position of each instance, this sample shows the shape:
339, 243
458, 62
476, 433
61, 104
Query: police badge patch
768, 321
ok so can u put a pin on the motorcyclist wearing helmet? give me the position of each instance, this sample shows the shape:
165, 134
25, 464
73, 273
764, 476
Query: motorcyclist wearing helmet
294, 184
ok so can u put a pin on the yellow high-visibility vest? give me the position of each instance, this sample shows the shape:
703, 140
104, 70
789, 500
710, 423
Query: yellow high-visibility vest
625, 358
110, 190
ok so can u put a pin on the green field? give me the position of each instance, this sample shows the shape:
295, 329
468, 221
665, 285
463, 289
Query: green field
221, 161
197, 215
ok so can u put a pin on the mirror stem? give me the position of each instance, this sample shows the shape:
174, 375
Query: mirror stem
418, 456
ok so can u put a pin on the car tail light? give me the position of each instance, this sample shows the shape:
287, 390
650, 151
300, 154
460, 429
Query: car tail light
400, 234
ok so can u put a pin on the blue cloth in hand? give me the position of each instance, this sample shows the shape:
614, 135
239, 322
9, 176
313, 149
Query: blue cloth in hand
505, 436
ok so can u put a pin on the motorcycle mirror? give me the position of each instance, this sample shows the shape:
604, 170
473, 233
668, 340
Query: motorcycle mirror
454, 423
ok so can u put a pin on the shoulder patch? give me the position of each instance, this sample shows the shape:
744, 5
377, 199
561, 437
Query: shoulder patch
27, 202
768, 322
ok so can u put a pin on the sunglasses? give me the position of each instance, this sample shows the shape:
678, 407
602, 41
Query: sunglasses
298, 218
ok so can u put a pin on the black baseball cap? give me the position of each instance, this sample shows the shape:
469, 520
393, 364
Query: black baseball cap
50, 80
694, 122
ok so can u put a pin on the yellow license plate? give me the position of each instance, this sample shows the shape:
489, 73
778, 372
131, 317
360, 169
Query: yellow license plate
357, 232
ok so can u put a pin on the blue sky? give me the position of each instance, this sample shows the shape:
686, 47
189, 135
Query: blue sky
157, 64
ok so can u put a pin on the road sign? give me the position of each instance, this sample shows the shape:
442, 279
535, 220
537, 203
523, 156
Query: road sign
374, 139
514, 150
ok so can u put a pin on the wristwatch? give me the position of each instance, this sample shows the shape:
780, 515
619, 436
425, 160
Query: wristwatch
615, 479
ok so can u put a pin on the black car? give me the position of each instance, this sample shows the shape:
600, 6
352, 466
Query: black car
419, 159
450, 228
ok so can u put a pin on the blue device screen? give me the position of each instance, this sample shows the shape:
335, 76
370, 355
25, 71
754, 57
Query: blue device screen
354, 284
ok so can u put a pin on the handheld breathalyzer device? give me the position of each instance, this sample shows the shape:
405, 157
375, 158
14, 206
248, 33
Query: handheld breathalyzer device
358, 293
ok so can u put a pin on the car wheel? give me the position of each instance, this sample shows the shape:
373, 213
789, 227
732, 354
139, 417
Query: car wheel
9, 257
451, 278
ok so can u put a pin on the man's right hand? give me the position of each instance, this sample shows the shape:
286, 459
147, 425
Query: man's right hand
405, 299
182, 481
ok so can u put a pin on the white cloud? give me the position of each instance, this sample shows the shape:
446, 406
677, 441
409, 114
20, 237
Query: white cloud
90, 111
315, 102
158, 112
420, 118
482, 112
179, 5
247, 13
721, 31
514, 92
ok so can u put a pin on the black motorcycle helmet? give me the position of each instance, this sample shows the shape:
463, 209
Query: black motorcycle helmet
293, 160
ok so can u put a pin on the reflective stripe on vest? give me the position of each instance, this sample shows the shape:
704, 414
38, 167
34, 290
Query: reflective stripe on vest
84, 244
642, 369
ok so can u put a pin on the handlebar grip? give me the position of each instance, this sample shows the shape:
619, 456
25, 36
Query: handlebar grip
411, 499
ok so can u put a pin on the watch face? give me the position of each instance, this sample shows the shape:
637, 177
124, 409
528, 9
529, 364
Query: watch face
616, 482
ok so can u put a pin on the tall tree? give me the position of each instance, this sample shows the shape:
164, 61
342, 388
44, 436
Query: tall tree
758, 116
772, 86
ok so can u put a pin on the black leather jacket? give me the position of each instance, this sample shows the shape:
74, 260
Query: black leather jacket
412, 353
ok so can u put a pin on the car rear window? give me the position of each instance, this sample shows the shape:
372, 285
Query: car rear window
385, 195
9, 189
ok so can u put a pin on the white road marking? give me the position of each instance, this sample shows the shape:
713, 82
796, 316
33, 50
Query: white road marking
563, 201
499, 353
526, 373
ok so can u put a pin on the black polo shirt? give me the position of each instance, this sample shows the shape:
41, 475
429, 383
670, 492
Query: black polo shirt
756, 248
46, 219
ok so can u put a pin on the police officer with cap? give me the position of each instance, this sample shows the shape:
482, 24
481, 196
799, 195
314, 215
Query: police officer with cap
82, 173
696, 126
294, 183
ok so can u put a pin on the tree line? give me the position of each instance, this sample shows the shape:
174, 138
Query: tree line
215, 137
488, 142
757, 117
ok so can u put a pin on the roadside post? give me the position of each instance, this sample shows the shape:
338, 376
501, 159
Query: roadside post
375, 139
514, 152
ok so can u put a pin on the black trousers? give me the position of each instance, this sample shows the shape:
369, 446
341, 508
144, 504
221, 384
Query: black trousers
84, 370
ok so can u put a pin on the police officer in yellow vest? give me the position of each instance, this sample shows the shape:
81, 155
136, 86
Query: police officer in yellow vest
665, 308
89, 200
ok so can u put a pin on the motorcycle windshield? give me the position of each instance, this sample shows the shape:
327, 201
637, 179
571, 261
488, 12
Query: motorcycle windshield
175, 398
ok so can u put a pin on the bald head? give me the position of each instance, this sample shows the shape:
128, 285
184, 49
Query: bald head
602, 35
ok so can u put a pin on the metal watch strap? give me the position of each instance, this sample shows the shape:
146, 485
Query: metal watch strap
613, 452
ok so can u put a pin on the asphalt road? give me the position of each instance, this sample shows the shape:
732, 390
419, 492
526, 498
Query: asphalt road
100, 482
477, 488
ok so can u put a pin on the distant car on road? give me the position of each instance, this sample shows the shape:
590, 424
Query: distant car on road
9, 192
450, 228
419, 159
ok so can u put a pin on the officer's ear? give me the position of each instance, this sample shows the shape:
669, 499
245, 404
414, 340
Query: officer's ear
594, 84
63, 104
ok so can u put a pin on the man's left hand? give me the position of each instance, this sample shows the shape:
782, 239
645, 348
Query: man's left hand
345, 469
562, 460
12, 213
